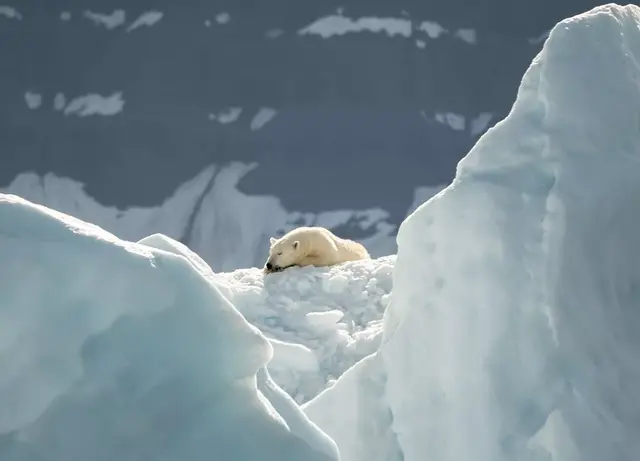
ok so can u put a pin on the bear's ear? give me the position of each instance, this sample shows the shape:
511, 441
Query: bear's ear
295, 245
272, 241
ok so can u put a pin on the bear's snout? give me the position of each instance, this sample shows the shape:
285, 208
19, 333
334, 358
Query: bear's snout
269, 268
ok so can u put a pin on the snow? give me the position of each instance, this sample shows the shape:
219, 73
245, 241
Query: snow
67, 196
454, 121
138, 331
354, 413
331, 25
33, 100
95, 104
59, 101
223, 18
148, 19
468, 35
422, 194
512, 328
274, 33
314, 303
93, 325
10, 12
227, 116
262, 117
321, 321
480, 124
339, 24
432, 29
109, 21
89, 104
326, 321
65, 16
287, 356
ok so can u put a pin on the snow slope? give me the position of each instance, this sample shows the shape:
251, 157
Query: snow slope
115, 350
512, 329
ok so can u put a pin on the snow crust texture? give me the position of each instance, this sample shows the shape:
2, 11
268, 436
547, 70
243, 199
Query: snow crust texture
320, 321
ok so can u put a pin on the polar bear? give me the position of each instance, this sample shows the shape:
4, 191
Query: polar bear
312, 246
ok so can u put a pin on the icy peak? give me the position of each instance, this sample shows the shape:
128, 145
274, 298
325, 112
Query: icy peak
570, 102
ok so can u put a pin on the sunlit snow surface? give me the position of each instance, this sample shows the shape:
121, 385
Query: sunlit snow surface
513, 330
321, 320
118, 351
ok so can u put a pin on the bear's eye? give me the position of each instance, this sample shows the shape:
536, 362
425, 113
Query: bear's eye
279, 253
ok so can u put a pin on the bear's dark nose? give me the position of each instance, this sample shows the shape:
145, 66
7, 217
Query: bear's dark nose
269, 266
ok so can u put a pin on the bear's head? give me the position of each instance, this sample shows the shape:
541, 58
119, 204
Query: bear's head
283, 253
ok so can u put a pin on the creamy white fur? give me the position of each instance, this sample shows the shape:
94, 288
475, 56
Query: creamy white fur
312, 246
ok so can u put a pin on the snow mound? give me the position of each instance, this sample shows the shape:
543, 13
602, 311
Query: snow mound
512, 329
319, 321
115, 350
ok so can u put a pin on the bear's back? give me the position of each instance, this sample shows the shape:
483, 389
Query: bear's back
325, 248
350, 250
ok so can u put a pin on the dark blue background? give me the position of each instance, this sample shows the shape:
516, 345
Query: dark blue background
348, 107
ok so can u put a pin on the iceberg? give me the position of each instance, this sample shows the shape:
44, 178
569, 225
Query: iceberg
112, 350
512, 329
